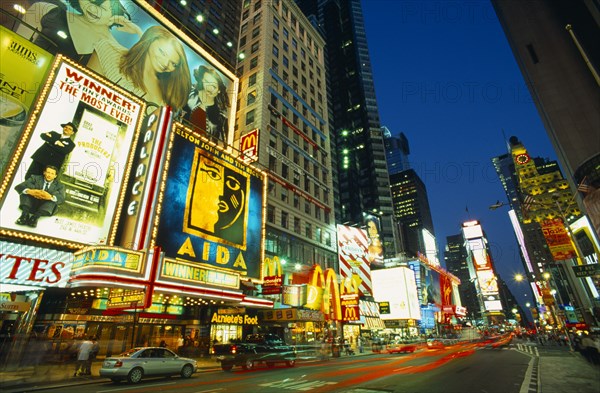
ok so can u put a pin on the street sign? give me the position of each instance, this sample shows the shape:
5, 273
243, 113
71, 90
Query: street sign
586, 270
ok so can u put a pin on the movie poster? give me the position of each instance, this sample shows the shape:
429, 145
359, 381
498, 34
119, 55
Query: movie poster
84, 129
211, 207
132, 45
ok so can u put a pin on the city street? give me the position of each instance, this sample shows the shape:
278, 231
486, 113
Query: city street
520, 367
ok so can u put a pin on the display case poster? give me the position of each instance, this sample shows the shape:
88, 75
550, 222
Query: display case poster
211, 207
90, 162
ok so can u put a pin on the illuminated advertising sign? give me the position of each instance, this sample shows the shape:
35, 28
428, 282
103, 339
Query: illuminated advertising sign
430, 247
375, 246
353, 255
146, 55
33, 266
22, 69
487, 282
211, 207
472, 230
294, 295
108, 259
492, 305
234, 319
558, 239
124, 298
174, 270
481, 259
397, 286
432, 287
446, 289
249, 146
350, 308
84, 129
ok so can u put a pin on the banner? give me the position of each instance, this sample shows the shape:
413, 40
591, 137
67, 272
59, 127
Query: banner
83, 127
353, 245
558, 239
23, 67
211, 207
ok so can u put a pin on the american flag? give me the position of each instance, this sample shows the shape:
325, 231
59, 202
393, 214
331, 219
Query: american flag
527, 202
584, 187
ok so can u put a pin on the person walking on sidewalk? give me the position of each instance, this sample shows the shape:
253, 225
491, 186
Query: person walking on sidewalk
93, 353
83, 357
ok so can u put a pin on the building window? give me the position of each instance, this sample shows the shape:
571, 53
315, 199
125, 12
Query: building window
275, 51
254, 47
256, 18
271, 214
294, 43
286, 62
253, 63
286, 34
284, 219
252, 80
250, 117
308, 231
251, 98
275, 35
276, 21
297, 227
256, 32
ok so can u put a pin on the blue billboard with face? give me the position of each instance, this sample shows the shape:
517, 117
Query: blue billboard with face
211, 207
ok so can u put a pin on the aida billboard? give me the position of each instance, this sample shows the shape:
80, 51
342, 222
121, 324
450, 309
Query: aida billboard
66, 180
132, 45
210, 207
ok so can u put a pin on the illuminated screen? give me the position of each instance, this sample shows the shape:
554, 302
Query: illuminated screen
487, 282
212, 211
430, 247
472, 232
493, 305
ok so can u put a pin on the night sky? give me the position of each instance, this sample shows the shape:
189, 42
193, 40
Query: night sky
446, 77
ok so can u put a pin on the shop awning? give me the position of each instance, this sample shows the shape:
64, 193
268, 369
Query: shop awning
372, 323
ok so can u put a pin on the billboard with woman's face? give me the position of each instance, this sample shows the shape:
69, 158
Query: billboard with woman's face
132, 45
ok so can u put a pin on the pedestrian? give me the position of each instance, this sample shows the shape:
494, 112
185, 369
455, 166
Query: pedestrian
359, 342
163, 344
93, 353
83, 357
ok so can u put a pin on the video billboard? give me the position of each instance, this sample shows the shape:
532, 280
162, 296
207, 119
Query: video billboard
211, 207
353, 245
91, 162
132, 45
375, 245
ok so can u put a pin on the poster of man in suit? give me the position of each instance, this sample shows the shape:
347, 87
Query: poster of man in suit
90, 158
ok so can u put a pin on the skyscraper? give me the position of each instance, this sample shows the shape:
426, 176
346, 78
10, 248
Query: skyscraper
412, 212
396, 151
362, 172
283, 98
556, 46
455, 257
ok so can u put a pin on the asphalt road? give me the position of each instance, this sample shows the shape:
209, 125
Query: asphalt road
462, 368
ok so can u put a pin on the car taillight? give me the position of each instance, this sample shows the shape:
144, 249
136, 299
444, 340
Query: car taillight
233, 349
212, 350
118, 363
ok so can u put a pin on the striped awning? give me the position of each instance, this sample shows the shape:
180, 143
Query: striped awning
372, 323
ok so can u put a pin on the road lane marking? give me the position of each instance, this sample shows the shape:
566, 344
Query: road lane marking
133, 386
297, 385
402, 368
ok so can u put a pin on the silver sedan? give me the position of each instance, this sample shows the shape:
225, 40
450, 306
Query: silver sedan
138, 363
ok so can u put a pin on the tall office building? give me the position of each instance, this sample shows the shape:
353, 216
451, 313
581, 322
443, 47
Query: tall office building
396, 151
455, 257
362, 172
214, 24
556, 46
283, 98
412, 213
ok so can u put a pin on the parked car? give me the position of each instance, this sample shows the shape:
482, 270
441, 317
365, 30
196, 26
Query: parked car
137, 363
257, 349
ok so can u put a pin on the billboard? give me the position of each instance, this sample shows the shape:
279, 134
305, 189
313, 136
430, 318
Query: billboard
375, 246
84, 127
398, 287
353, 244
432, 287
131, 44
558, 239
23, 68
472, 230
430, 248
487, 282
211, 207
481, 259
